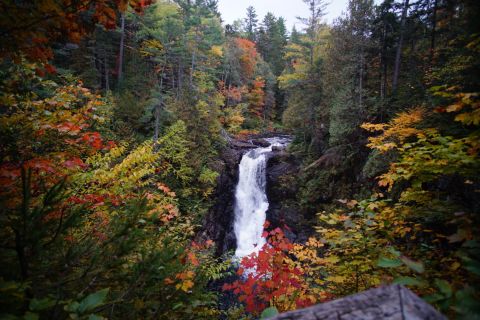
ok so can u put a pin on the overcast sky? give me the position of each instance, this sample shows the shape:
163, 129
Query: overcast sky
289, 9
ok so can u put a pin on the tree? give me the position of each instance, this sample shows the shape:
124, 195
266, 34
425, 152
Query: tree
31, 29
271, 42
251, 24
313, 22
398, 55
351, 35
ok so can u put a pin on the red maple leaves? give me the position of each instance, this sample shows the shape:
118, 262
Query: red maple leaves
268, 277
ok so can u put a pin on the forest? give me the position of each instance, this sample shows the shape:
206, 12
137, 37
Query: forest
116, 117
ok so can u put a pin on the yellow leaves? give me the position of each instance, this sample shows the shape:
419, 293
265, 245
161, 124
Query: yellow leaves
396, 132
334, 218
123, 177
454, 266
409, 118
138, 304
332, 259
372, 127
336, 279
386, 180
151, 47
468, 103
469, 118
185, 285
217, 51
314, 242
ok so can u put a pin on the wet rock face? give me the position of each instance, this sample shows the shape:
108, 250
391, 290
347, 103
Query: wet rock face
282, 188
218, 224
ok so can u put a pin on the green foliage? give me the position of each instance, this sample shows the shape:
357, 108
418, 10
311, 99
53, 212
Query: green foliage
96, 215
268, 313
173, 148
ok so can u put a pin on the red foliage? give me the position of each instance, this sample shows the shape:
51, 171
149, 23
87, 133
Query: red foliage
74, 163
268, 275
93, 139
31, 28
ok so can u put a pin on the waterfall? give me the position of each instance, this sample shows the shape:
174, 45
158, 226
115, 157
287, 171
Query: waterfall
251, 203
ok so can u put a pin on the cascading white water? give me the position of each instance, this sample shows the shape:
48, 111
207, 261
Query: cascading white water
251, 203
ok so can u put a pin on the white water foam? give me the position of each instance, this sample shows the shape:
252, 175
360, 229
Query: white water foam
251, 203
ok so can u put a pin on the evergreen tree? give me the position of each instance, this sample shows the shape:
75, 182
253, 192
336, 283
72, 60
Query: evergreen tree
351, 35
251, 24
271, 42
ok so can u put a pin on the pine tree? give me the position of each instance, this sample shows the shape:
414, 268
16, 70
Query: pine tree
251, 24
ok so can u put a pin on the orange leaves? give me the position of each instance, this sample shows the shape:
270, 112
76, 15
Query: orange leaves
193, 259
69, 128
186, 282
469, 104
48, 141
105, 15
165, 209
165, 189
257, 97
248, 57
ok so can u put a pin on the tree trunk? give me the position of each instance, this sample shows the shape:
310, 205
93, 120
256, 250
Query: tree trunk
396, 70
179, 79
158, 108
192, 71
157, 124
383, 64
360, 83
105, 66
122, 41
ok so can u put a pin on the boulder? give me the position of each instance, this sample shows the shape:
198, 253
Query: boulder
260, 143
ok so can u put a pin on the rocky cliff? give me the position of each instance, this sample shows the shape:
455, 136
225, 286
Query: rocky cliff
282, 189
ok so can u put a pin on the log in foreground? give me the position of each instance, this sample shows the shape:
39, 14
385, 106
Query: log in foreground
389, 302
